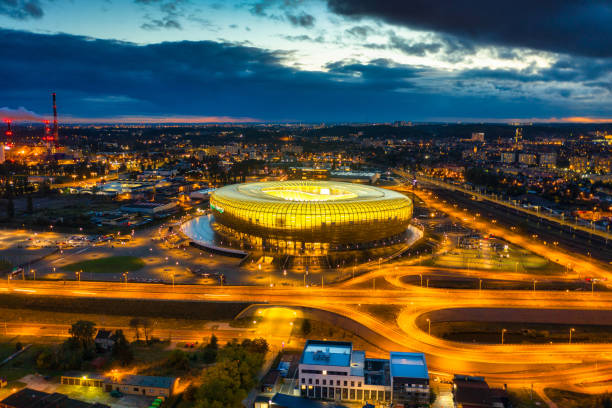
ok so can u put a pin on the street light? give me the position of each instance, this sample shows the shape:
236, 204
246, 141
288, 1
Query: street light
428, 326
125, 275
502, 333
570, 334
78, 274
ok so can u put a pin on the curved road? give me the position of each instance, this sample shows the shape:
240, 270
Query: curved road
545, 365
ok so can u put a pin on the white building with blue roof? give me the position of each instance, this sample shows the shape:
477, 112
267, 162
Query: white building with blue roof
332, 370
409, 379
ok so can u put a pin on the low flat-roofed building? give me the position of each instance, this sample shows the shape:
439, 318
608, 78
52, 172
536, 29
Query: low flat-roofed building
83, 379
409, 379
142, 385
474, 392
152, 386
331, 370
289, 401
146, 207
29, 398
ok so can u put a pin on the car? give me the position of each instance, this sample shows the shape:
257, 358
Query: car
116, 394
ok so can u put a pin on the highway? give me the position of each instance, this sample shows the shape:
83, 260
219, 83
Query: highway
510, 207
551, 365
578, 367
548, 231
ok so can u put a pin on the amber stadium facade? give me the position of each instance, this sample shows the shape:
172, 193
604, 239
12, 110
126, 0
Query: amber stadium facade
308, 214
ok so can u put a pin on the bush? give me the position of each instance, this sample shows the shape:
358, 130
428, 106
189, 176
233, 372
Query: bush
178, 360
46, 359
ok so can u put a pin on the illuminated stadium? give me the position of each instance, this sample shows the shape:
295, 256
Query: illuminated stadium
305, 215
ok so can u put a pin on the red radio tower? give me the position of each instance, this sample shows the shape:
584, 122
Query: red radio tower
47, 136
55, 136
9, 133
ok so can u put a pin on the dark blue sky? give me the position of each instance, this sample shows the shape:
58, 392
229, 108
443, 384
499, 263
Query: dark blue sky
307, 60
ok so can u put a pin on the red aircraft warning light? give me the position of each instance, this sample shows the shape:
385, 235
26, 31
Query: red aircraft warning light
8, 134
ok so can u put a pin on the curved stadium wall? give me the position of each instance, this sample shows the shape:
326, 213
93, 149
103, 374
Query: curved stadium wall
311, 211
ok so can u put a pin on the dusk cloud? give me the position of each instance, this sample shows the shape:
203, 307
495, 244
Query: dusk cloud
102, 78
21, 9
578, 27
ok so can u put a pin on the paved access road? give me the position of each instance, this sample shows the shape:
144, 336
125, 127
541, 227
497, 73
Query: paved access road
550, 365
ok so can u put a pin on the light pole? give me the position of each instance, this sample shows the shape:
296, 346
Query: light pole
502, 333
428, 326
534, 285
570, 334
125, 275
421, 276
78, 274
479, 284
34, 273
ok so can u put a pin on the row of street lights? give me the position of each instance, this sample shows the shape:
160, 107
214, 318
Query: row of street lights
503, 331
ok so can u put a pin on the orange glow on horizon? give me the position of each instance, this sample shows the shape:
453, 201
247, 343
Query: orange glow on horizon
136, 119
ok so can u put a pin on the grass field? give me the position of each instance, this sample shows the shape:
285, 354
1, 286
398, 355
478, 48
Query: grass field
525, 398
517, 260
112, 264
568, 399
520, 333
125, 307
5, 265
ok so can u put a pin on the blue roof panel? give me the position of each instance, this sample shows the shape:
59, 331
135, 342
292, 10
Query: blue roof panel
408, 365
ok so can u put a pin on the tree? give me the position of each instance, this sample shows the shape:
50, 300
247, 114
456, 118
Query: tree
209, 352
213, 343
45, 359
178, 360
135, 324
30, 205
83, 333
122, 350
10, 209
221, 386
259, 345
147, 328
306, 328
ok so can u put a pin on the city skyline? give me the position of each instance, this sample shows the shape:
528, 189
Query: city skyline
306, 61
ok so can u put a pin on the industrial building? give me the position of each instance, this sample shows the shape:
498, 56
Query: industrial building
30, 398
127, 384
331, 370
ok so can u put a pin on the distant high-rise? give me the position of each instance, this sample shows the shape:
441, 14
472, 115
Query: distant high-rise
55, 131
518, 135
478, 137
